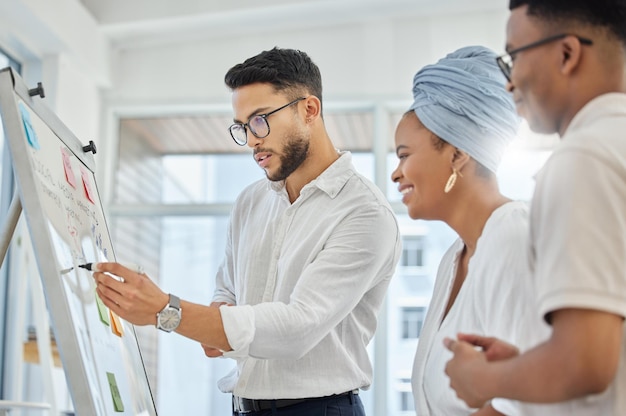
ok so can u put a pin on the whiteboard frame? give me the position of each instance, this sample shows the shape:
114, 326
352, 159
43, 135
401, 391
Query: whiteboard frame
12, 87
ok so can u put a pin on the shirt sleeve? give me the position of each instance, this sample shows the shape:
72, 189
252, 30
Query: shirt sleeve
579, 228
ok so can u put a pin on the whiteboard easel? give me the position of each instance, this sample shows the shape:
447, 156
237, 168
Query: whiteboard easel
58, 196
41, 324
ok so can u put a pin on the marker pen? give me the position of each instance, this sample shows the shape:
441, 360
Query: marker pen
92, 267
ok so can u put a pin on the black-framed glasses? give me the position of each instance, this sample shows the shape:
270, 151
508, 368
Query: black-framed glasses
257, 124
505, 61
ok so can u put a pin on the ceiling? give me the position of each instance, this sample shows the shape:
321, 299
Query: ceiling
139, 23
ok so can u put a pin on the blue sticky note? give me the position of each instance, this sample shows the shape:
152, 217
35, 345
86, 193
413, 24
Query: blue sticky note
31, 135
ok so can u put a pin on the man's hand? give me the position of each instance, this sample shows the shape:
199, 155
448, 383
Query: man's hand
466, 370
493, 348
134, 297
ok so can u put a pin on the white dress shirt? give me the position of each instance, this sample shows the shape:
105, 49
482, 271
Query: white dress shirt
308, 280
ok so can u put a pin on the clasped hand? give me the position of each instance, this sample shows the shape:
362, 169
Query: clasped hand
469, 367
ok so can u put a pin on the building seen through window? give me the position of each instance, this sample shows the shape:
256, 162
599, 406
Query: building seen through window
412, 321
412, 251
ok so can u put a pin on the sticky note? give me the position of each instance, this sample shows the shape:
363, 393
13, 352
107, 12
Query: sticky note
67, 167
115, 393
103, 311
87, 184
116, 326
31, 135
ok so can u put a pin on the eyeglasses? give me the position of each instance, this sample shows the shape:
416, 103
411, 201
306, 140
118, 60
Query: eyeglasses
257, 124
505, 61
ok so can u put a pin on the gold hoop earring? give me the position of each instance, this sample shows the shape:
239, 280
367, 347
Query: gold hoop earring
451, 180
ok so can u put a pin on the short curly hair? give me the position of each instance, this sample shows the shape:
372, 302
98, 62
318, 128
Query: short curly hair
287, 70
607, 14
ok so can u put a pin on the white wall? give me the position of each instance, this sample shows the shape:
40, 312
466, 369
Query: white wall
60, 45
365, 60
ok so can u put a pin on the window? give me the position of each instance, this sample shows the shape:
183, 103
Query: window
407, 404
412, 321
412, 251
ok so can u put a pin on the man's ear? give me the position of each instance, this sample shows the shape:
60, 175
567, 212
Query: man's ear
313, 108
571, 52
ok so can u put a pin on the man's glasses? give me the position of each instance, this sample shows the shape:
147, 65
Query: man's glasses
505, 62
257, 124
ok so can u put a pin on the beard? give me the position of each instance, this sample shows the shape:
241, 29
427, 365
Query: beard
294, 154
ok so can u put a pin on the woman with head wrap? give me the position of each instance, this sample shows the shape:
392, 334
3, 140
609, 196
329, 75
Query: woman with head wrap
449, 145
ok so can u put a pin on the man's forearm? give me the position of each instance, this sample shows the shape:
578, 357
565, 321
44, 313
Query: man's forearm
203, 324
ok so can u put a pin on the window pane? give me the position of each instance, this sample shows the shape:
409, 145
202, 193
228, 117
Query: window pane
182, 254
144, 176
407, 404
364, 164
207, 178
412, 251
412, 321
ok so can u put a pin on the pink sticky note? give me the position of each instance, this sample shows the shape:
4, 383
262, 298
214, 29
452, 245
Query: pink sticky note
67, 167
87, 184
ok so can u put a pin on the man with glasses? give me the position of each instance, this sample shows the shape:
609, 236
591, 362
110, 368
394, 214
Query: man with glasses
566, 67
309, 255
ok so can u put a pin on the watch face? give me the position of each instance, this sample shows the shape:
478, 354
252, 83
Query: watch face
169, 318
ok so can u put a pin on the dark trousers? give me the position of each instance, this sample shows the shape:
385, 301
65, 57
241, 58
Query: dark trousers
348, 405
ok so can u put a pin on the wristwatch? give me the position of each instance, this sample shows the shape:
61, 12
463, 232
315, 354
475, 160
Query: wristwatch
169, 317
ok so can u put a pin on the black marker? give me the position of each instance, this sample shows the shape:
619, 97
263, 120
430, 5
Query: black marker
89, 266
92, 267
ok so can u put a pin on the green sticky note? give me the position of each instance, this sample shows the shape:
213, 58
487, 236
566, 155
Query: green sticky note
102, 311
115, 393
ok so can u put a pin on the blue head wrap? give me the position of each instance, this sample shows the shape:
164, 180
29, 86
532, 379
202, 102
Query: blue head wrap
462, 100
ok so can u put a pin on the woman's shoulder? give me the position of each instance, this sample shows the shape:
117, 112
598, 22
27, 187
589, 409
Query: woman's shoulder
512, 214
508, 226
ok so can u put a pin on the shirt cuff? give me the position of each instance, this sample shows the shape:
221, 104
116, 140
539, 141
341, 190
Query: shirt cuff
238, 324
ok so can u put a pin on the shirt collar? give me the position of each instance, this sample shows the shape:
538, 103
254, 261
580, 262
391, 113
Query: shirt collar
601, 106
331, 181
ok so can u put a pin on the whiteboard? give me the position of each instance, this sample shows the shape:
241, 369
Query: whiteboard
61, 204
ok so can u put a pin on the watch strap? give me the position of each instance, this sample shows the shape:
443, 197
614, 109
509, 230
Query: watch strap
174, 302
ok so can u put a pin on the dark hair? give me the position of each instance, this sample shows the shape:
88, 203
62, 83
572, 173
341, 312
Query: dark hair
287, 70
607, 14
